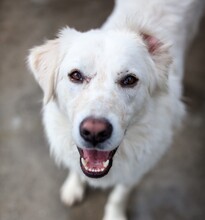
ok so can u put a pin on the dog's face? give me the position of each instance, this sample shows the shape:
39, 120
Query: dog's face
102, 81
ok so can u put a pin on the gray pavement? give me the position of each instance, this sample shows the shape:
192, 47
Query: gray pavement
29, 179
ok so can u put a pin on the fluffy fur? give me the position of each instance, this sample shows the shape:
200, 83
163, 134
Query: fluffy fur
145, 38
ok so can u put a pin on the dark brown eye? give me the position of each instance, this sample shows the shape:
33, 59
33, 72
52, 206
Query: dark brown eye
76, 76
129, 81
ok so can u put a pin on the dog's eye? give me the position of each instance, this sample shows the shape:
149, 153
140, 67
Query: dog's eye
76, 76
128, 81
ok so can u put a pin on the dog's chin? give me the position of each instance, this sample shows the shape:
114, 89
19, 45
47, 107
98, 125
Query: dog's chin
96, 163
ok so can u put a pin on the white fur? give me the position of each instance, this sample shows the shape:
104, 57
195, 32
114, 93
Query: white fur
72, 190
143, 117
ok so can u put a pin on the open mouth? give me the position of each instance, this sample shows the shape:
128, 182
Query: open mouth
96, 163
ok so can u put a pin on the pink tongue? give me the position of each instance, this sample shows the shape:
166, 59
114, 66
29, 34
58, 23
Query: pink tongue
95, 156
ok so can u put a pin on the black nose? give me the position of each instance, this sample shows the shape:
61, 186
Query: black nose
95, 130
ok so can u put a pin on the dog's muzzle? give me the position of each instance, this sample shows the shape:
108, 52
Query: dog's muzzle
95, 162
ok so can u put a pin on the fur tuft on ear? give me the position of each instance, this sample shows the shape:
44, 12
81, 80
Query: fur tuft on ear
42, 61
153, 44
161, 55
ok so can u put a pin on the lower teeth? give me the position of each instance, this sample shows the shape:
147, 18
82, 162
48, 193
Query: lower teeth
84, 163
106, 163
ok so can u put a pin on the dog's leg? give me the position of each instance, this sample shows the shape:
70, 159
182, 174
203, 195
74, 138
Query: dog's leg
72, 190
117, 202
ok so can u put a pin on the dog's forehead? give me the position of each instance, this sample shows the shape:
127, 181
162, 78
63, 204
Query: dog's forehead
101, 42
111, 50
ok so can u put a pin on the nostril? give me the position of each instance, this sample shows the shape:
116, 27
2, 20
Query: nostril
106, 133
85, 132
102, 134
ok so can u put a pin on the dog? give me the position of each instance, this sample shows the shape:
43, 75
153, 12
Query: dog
112, 96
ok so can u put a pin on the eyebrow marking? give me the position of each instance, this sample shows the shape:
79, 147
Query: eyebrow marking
122, 72
87, 79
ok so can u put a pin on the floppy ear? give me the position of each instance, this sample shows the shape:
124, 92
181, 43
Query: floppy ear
42, 61
160, 53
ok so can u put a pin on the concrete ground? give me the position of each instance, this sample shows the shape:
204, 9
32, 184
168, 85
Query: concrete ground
29, 179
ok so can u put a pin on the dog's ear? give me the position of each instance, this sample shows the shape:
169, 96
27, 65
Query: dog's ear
42, 61
160, 53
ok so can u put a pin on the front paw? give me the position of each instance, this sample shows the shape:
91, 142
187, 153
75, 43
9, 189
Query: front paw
72, 191
114, 215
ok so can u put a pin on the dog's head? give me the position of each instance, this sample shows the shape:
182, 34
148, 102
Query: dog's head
103, 82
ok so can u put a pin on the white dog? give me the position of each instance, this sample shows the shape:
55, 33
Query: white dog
112, 95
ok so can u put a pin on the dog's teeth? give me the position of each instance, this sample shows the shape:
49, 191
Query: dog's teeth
83, 162
105, 164
97, 170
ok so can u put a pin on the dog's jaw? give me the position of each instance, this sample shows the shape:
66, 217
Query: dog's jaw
95, 163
